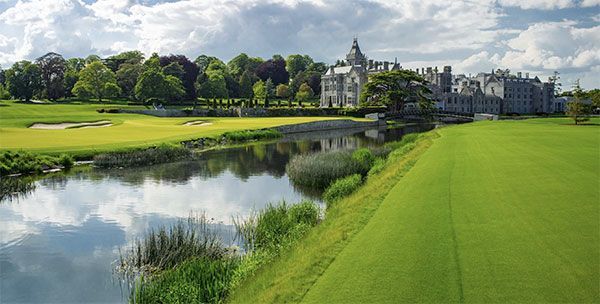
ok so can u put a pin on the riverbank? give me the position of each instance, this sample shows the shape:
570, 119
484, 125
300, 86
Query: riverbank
492, 211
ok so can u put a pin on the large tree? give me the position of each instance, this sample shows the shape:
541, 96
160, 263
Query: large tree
96, 80
394, 89
258, 90
238, 65
274, 69
24, 80
282, 91
215, 86
304, 93
53, 68
174, 69
191, 73
312, 78
297, 63
154, 84
127, 77
203, 61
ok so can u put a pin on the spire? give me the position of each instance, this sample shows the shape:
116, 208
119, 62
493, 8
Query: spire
355, 56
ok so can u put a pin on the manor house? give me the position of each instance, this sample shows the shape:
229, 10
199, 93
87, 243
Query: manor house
498, 92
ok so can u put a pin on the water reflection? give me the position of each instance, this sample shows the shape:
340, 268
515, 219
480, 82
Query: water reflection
57, 243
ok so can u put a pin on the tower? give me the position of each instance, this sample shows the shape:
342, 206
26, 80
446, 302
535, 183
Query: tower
355, 56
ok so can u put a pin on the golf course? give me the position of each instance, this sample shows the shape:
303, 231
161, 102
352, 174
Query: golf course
504, 211
122, 130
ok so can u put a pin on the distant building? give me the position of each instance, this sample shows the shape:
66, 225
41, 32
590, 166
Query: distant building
498, 92
341, 85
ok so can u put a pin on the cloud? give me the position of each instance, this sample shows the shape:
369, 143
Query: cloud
590, 3
539, 4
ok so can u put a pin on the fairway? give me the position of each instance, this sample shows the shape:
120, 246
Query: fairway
492, 212
127, 131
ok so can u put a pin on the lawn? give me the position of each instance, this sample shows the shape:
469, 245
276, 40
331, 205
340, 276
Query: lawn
128, 130
491, 212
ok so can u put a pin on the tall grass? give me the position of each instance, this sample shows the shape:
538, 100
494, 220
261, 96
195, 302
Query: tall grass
142, 157
166, 247
247, 135
13, 187
198, 280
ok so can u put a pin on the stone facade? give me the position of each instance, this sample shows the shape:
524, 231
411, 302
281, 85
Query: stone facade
341, 85
498, 92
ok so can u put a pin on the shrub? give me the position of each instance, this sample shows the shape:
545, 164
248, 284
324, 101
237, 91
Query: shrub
364, 158
342, 187
66, 161
318, 170
100, 110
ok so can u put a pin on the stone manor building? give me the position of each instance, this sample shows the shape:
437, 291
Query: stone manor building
498, 92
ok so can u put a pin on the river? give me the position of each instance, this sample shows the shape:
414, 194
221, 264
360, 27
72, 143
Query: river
59, 242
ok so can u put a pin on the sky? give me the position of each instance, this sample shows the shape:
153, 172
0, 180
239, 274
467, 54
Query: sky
529, 36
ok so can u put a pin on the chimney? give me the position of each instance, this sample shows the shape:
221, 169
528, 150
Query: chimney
527, 75
370, 64
435, 70
332, 69
386, 65
422, 71
429, 70
519, 74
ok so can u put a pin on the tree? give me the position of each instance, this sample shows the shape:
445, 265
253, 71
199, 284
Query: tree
394, 89
24, 80
130, 57
76, 64
4, 93
312, 78
214, 87
203, 61
304, 93
319, 67
258, 90
69, 81
96, 80
274, 69
154, 84
190, 75
269, 87
174, 69
238, 65
576, 109
127, 77
53, 68
246, 82
282, 91
594, 96
91, 58
2, 76
297, 63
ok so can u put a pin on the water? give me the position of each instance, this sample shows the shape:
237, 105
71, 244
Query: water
58, 242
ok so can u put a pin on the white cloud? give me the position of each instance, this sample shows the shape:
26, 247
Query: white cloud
590, 3
539, 4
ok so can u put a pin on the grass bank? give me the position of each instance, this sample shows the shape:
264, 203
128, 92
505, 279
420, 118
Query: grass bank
492, 212
289, 277
128, 130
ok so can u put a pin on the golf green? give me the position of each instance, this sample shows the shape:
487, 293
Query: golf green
503, 211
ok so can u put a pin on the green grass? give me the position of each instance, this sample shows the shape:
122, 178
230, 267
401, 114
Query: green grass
492, 212
287, 278
128, 130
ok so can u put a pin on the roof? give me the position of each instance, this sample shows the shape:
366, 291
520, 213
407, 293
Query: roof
339, 70
355, 51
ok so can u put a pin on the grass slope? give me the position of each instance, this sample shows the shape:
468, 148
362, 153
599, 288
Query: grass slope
129, 130
287, 278
492, 212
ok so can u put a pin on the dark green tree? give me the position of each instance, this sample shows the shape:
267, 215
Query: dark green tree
127, 77
96, 80
53, 68
24, 80
394, 89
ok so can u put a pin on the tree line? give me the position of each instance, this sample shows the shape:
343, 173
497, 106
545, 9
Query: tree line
169, 78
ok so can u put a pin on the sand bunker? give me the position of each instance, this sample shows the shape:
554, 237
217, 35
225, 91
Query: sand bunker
68, 125
197, 123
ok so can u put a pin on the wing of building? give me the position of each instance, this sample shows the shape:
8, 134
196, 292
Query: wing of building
498, 92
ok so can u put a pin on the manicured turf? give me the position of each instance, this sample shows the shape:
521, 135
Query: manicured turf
129, 130
491, 212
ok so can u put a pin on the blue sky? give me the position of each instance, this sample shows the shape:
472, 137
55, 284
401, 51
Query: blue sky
535, 36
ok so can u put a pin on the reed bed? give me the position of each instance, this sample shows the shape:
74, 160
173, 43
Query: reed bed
142, 157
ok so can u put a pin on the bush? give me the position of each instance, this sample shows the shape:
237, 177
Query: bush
364, 158
66, 161
342, 187
318, 170
100, 110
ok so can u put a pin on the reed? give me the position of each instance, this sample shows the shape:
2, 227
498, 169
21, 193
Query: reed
142, 157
